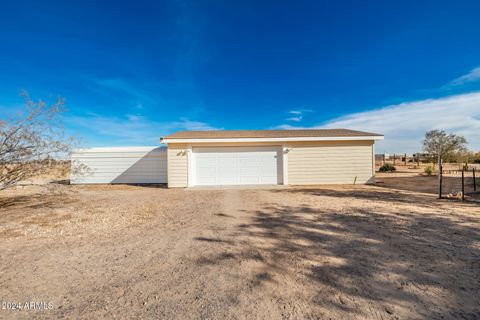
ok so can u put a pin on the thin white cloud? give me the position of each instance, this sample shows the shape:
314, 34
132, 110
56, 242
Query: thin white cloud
186, 124
296, 112
471, 76
295, 119
115, 86
132, 128
297, 115
404, 125
287, 126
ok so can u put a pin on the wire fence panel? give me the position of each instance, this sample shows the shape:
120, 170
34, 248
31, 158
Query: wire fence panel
472, 190
452, 184
461, 185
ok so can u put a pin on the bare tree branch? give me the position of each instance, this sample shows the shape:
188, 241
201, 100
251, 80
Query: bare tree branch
31, 140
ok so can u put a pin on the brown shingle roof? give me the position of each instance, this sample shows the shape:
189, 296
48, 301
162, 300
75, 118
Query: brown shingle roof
226, 134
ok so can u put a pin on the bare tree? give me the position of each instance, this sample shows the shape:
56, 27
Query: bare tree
441, 144
31, 141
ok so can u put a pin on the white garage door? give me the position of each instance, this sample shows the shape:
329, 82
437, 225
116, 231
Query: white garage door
237, 165
119, 165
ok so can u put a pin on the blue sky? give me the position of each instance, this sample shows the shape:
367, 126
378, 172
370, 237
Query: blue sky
134, 71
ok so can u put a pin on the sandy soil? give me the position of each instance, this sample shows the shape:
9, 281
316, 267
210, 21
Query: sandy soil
356, 252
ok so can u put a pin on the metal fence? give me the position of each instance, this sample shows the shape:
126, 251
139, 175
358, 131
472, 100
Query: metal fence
460, 184
403, 159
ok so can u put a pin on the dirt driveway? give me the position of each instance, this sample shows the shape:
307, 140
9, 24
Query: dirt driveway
357, 252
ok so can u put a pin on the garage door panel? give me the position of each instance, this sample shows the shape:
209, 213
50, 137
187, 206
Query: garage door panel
225, 155
249, 180
257, 180
244, 165
247, 155
226, 172
265, 160
207, 172
249, 171
225, 164
225, 181
265, 180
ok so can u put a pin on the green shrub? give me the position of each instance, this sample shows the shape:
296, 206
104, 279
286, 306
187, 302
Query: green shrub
387, 167
429, 170
476, 158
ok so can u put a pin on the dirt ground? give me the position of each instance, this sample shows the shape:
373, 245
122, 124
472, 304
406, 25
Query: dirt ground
391, 251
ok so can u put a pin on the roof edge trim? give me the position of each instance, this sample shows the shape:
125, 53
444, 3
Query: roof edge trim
285, 139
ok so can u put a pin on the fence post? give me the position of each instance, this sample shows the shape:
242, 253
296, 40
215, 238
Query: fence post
463, 185
405, 159
383, 159
474, 180
440, 176
394, 156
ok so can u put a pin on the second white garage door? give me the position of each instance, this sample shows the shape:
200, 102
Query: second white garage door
237, 165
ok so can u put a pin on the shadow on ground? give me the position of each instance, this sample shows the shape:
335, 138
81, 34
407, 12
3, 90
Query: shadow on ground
146, 185
383, 195
364, 262
35, 201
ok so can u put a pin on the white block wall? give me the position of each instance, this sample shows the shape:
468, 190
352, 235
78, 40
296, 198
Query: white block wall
119, 165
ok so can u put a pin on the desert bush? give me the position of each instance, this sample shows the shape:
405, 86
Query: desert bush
31, 141
429, 170
387, 167
476, 158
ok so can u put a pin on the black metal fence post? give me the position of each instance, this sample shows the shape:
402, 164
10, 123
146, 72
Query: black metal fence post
474, 180
440, 176
463, 185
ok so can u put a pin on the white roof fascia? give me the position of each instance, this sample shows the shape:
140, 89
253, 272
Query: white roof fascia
116, 149
272, 139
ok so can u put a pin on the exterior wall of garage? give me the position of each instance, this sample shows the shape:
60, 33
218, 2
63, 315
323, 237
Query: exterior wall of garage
119, 165
177, 165
319, 162
331, 162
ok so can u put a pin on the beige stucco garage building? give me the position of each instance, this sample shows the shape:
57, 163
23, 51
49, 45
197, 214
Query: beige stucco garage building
284, 157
